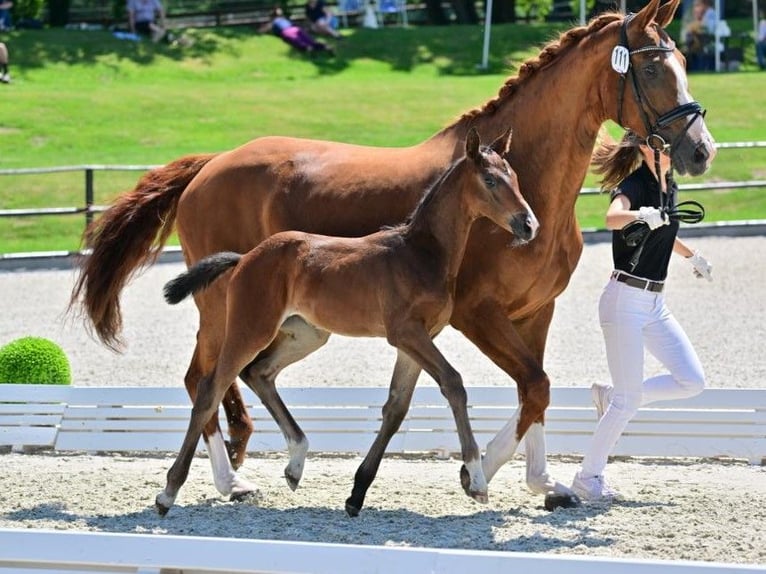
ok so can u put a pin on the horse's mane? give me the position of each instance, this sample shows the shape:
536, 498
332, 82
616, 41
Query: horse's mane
431, 191
549, 54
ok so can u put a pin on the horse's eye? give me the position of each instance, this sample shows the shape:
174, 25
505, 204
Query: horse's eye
650, 71
489, 181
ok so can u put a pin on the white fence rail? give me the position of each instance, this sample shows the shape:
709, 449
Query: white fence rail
106, 553
719, 422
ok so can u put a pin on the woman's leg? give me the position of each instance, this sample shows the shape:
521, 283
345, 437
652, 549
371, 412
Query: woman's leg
623, 311
667, 341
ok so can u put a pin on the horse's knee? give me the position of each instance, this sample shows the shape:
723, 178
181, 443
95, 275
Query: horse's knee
453, 389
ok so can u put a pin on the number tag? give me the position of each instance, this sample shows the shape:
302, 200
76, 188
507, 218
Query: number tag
620, 59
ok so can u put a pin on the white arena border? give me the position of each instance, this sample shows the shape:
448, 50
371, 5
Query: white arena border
49, 551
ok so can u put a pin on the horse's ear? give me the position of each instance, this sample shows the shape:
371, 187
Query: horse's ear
666, 12
472, 144
502, 144
647, 14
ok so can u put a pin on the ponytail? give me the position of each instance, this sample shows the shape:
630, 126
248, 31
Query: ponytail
616, 160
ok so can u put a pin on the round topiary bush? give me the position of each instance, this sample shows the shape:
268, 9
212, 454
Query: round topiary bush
34, 360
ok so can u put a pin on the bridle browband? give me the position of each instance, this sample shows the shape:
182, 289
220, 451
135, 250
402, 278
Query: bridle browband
686, 211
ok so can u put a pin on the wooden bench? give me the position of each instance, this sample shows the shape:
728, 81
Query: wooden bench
717, 423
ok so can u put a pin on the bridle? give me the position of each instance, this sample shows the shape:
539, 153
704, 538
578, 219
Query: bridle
686, 211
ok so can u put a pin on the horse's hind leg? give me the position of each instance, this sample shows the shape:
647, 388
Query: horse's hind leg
226, 480
296, 340
400, 392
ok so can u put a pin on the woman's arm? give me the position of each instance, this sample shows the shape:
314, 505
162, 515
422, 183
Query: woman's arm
619, 213
682, 249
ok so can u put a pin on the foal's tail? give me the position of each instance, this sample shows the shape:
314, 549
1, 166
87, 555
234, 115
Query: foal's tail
128, 236
199, 276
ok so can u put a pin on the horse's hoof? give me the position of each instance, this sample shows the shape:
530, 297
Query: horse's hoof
554, 500
292, 481
161, 507
245, 496
351, 509
465, 480
480, 497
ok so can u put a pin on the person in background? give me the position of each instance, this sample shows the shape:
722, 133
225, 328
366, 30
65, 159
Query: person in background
5, 76
147, 18
760, 41
699, 37
321, 19
6, 23
632, 309
282, 27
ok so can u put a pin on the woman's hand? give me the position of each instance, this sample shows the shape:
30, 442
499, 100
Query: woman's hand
702, 268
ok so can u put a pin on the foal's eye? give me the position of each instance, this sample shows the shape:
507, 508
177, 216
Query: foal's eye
489, 181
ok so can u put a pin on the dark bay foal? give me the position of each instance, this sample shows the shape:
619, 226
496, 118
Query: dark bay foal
397, 283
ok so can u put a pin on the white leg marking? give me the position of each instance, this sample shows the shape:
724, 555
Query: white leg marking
501, 448
226, 480
538, 479
478, 484
294, 469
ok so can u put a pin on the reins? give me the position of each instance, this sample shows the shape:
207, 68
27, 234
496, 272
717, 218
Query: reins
635, 234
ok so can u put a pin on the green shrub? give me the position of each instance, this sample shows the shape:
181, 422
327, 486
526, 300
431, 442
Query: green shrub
34, 360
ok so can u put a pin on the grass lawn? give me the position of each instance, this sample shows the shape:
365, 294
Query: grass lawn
81, 97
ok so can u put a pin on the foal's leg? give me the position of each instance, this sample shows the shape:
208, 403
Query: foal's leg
418, 344
205, 404
403, 381
296, 340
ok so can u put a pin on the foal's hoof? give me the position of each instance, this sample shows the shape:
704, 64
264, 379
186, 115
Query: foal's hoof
554, 500
292, 480
162, 507
352, 509
465, 481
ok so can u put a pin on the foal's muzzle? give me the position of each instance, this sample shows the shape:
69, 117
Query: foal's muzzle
524, 226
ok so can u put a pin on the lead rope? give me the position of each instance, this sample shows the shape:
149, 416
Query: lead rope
686, 212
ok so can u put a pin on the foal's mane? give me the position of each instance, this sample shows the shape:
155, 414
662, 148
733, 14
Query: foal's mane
433, 189
548, 55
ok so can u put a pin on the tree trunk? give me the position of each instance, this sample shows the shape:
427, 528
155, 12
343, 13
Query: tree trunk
435, 14
465, 11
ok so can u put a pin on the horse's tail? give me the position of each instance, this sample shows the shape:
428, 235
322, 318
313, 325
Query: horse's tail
127, 237
199, 276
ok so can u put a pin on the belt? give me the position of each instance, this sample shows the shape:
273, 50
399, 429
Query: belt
645, 284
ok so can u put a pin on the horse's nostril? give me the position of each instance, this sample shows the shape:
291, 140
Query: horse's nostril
700, 154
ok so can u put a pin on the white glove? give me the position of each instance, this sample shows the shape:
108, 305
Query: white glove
653, 217
701, 266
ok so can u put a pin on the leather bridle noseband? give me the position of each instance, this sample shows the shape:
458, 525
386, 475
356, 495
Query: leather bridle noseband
686, 211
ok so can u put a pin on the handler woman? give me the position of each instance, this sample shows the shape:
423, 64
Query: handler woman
632, 308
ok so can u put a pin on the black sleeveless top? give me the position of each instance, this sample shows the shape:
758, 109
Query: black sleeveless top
642, 189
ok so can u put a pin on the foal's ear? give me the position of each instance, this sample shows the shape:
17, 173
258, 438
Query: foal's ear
502, 144
666, 12
647, 14
472, 145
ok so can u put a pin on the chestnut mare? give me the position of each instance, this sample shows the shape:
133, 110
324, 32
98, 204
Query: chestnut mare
397, 283
620, 68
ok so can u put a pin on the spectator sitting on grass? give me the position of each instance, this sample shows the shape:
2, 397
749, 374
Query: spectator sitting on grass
295, 36
147, 18
321, 19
